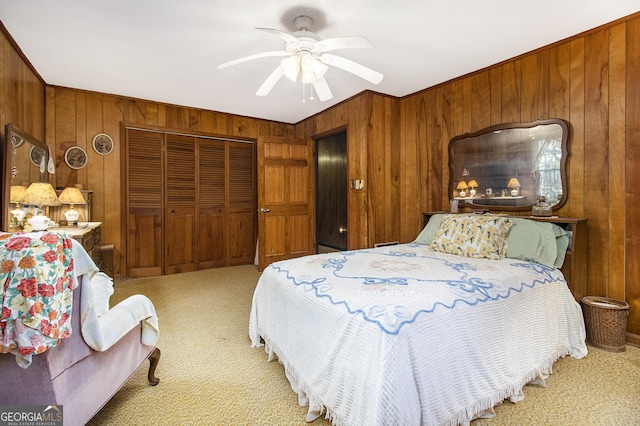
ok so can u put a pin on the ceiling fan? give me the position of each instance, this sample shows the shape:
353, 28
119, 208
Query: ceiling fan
305, 53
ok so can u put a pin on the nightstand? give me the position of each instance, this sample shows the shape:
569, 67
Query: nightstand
89, 235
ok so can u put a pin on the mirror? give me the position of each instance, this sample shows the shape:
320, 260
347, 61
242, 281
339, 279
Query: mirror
24, 161
508, 166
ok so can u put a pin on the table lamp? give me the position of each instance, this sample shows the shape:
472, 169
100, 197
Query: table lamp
16, 194
462, 185
40, 195
515, 184
472, 185
72, 196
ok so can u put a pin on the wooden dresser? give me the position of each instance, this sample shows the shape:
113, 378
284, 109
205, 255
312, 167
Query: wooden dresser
574, 267
89, 235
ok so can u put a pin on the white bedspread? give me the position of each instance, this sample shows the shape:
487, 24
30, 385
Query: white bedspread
401, 335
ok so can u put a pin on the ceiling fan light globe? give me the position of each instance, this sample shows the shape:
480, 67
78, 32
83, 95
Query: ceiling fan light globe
291, 67
312, 68
308, 76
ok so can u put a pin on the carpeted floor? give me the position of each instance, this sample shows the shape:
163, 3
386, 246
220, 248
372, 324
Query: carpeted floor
210, 375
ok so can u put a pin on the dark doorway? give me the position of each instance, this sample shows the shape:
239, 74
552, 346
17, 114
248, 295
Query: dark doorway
331, 192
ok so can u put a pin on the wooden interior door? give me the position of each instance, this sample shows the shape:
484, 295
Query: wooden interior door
143, 203
180, 208
285, 200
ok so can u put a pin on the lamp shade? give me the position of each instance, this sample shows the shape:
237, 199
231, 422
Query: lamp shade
72, 196
16, 193
40, 194
462, 185
513, 183
472, 184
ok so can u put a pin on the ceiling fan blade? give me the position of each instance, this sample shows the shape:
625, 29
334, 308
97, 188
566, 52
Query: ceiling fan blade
285, 36
252, 57
342, 43
270, 82
360, 70
322, 89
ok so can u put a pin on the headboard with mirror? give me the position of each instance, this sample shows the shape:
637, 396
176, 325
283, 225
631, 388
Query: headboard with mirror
24, 161
508, 166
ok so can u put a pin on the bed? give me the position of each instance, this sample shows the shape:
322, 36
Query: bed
437, 331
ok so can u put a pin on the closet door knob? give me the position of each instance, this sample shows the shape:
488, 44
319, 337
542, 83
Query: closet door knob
263, 210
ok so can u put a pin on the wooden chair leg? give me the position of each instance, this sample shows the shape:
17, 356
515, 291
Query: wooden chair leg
154, 358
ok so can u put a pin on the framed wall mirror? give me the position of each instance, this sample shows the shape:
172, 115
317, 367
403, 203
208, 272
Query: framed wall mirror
508, 166
24, 161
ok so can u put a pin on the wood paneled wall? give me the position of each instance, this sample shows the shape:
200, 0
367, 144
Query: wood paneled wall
74, 117
372, 123
592, 81
21, 91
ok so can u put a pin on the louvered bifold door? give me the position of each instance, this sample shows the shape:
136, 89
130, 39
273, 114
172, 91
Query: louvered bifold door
180, 224
242, 202
144, 200
212, 211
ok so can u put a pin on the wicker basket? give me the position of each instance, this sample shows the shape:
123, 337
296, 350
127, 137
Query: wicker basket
606, 322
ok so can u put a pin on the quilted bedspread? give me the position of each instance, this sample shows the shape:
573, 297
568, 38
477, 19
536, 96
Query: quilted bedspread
401, 335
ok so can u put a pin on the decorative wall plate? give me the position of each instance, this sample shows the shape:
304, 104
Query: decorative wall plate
37, 156
75, 157
102, 143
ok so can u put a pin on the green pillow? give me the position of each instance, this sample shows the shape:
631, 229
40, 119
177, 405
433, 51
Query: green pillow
429, 231
534, 241
562, 241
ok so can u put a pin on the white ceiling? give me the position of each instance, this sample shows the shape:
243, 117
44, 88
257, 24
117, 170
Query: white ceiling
168, 50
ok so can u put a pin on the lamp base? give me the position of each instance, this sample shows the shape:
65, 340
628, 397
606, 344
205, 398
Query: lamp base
72, 217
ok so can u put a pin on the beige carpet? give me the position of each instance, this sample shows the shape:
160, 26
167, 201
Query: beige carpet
210, 375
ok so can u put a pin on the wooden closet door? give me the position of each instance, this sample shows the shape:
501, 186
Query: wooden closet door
212, 209
144, 201
242, 203
180, 224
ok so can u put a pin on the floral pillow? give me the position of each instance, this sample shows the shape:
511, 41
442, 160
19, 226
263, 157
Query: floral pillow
478, 236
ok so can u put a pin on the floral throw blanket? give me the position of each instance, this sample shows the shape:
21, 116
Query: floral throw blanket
36, 272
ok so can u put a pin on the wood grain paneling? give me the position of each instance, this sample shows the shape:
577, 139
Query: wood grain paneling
590, 80
632, 176
22, 91
616, 154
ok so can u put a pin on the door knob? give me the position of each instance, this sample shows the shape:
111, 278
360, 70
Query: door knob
342, 230
263, 210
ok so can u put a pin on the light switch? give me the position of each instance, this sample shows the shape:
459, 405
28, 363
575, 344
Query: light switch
357, 184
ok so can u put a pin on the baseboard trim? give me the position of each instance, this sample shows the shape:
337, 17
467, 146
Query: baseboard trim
632, 339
